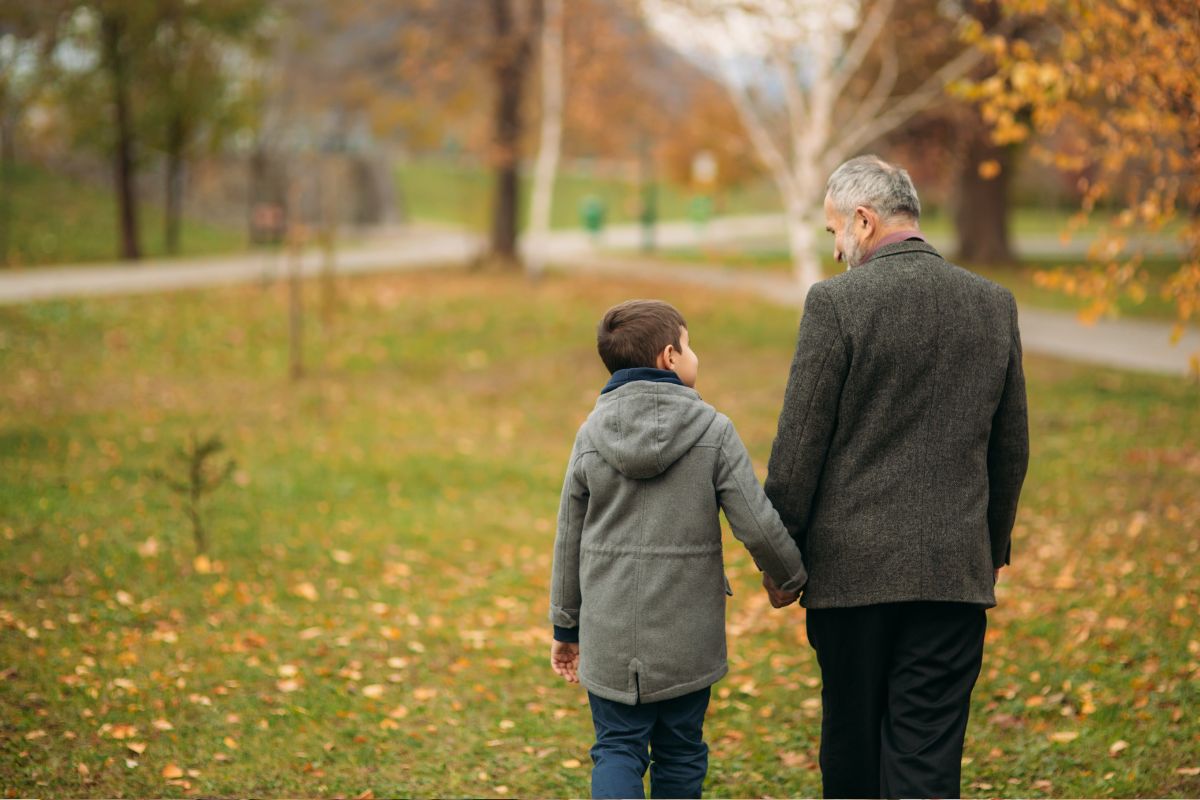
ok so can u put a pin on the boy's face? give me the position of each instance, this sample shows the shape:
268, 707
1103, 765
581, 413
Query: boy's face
684, 362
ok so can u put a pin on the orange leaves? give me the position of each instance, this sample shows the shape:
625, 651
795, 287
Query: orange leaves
306, 591
1116, 90
120, 731
989, 169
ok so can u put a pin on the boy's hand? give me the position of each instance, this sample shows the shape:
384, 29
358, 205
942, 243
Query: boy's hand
779, 598
564, 659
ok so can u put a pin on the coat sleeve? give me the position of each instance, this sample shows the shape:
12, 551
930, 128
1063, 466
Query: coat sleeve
1008, 451
809, 413
754, 521
565, 597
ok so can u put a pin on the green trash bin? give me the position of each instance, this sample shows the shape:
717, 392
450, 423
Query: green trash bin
591, 212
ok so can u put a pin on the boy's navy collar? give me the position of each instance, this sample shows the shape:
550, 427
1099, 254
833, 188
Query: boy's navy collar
624, 376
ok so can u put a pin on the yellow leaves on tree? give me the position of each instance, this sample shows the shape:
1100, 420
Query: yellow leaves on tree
1118, 84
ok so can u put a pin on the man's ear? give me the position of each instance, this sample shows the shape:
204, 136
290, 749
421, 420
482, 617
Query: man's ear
666, 357
865, 219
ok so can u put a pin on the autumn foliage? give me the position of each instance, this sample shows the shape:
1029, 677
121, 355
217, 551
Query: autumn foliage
1117, 83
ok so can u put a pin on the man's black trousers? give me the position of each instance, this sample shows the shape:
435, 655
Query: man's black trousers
896, 691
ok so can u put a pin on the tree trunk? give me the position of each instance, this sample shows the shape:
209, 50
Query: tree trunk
8, 159
806, 262
510, 59
174, 200
981, 210
550, 143
123, 166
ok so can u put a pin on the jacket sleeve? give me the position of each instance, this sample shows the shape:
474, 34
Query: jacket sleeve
809, 413
752, 518
1008, 451
565, 597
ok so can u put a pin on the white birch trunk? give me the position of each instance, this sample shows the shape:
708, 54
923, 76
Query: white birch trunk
820, 125
550, 143
802, 242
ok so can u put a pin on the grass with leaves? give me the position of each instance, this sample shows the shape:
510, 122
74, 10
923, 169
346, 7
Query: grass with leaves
58, 220
370, 617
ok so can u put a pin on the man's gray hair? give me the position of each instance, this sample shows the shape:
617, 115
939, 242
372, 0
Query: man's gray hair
872, 182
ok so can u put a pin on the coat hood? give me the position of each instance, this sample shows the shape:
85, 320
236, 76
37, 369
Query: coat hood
641, 428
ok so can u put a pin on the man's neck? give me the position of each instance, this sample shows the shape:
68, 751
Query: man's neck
893, 234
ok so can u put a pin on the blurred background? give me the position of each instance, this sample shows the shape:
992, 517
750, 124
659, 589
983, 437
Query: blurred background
297, 308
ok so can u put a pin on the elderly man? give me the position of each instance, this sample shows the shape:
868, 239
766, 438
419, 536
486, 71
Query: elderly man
900, 454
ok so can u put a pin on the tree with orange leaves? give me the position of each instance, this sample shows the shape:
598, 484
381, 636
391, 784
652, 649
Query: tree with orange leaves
1119, 82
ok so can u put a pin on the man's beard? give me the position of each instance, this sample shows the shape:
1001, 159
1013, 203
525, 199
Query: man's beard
853, 252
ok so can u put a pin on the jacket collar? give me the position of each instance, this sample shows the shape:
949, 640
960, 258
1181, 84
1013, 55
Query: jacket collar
624, 376
898, 248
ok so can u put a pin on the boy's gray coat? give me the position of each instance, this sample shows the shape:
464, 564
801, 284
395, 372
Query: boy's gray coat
637, 558
903, 439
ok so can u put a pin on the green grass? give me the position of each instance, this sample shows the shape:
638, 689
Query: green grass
56, 220
438, 191
390, 525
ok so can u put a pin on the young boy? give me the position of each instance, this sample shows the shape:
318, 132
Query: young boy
638, 587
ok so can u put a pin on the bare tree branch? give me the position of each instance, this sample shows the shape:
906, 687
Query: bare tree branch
881, 90
867, 34
908, 106
765, 146
797, 107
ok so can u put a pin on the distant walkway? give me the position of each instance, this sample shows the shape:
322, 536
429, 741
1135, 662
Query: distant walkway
1142, 345
1126, 344
402, 250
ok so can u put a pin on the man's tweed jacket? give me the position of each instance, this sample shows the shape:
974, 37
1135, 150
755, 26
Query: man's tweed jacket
903, 440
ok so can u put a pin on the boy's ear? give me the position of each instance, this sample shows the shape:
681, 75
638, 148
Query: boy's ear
666, 358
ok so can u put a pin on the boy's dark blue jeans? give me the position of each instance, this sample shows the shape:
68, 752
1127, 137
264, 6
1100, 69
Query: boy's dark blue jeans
667, 736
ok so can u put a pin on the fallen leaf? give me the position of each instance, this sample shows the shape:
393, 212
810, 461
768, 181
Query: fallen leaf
136, 747
1189, 771
122, 731
307, 591
170, 771
231, 743
162, 725
507, 724
1063, 737
571, 763
1117, 746
288, 685
374, 690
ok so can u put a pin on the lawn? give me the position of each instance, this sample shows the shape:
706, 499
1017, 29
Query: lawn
439, 191
372, 615
57, 220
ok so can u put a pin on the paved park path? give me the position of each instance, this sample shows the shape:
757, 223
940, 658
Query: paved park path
1128, 344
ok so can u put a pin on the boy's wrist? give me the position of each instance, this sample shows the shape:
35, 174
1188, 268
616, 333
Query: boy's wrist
566, 635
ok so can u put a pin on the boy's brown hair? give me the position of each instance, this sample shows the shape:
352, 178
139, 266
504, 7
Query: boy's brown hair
633, 333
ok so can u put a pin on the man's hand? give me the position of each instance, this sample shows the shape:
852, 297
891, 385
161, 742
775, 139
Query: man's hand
779, 598
564, 659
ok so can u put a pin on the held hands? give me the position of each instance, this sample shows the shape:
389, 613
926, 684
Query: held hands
564, 659
779, 598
